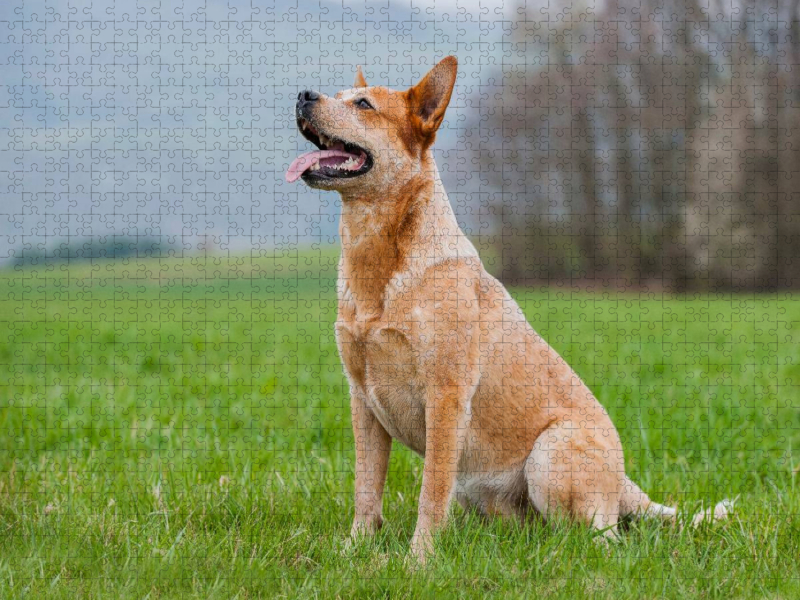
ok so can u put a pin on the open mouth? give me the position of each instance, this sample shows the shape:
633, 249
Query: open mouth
335, 159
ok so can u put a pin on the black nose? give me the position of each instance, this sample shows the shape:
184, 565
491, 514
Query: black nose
307, 96
305, 102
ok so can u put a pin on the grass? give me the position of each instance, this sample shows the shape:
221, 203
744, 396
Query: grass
180, 428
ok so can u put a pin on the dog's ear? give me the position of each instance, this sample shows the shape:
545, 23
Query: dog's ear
360, 81
428, 99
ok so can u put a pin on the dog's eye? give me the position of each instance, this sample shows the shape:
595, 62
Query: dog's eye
364, 103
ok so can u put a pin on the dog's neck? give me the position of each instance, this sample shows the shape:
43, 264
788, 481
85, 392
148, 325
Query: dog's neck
399, 234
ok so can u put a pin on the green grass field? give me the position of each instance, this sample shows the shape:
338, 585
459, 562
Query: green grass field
180, 428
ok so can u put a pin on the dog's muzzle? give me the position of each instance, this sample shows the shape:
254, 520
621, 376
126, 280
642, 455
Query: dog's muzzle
305, 102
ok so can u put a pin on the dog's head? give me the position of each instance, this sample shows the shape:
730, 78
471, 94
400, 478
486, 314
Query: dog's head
371, 137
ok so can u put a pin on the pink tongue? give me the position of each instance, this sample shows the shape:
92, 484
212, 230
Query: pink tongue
305, 161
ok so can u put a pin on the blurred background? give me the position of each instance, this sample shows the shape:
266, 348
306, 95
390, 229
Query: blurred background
648, 144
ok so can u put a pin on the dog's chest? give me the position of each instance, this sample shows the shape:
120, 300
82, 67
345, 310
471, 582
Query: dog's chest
382, 358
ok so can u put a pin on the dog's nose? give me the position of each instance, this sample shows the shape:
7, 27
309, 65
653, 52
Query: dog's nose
305, 102
307, 96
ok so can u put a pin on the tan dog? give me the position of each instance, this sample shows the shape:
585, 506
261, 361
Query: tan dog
438, 355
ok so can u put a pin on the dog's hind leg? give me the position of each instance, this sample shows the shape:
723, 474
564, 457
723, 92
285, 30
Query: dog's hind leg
565, 474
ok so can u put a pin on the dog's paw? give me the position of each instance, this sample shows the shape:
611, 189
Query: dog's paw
421, 548
365, 526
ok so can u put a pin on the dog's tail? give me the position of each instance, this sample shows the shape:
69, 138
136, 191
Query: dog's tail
635, 503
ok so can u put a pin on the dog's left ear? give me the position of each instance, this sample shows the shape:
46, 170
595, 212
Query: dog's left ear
428, 99
360, 81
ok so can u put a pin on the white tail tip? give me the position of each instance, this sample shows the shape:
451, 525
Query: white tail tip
720, 511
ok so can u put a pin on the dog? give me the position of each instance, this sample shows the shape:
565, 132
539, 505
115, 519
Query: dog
437, 353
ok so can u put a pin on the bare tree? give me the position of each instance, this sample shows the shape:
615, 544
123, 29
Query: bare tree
650, 143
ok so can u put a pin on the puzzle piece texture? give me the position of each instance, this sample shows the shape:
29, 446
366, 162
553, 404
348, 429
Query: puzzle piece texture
175, 419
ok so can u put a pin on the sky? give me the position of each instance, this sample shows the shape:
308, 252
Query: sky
175, 119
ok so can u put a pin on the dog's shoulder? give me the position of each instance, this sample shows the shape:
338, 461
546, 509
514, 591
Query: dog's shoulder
447, 288
444, 275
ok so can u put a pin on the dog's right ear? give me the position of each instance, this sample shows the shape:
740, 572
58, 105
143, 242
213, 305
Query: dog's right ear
360, 81
428, 99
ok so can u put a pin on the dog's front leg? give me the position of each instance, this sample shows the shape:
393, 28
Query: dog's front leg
373, 446
444, 432
448, 355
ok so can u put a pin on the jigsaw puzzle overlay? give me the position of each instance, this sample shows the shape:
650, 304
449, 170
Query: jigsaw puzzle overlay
175, 419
